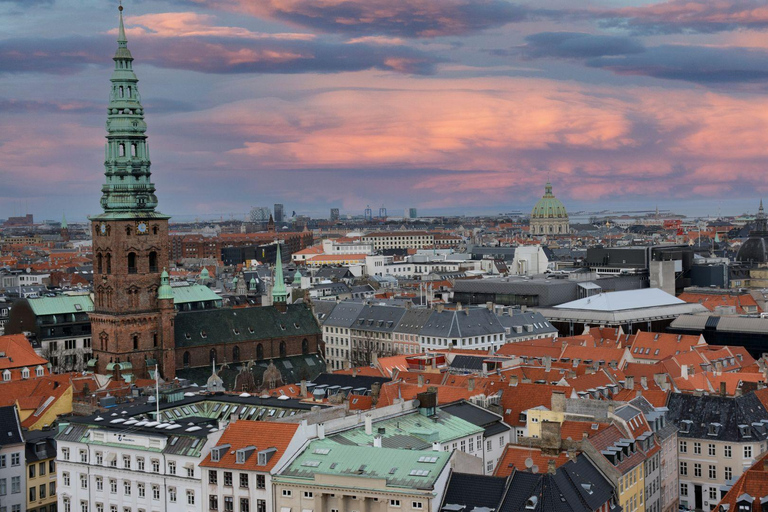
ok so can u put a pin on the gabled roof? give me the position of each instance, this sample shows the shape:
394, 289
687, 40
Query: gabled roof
752, 484
474, 491
16, 352
516, 458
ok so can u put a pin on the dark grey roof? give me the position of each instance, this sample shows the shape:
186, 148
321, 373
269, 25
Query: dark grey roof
577, 485
531, 323
413, 321
343, 314
336, 288
468, 322
549, 291
10, 426
465, 362
378, 318
474, 491
41, 445
225, 325
344, 380
471, 413
323, 308
501, 253
333, 273
693, 416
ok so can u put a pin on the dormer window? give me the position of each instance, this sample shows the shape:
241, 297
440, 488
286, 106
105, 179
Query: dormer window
530, 503
242, 454
7, 375
39, 371
744, 431
685, 426
25, 373
218, 451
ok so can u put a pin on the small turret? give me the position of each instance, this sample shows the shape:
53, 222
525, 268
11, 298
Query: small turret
165, 291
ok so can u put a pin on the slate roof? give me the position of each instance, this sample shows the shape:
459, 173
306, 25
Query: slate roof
47, 442
538, 324
333, 273
464, 362
474, 491
10, 427
471, 413
462, 324
240, 325
378, 318
413, 320
343, 314
576, 486
729, 413
292, 369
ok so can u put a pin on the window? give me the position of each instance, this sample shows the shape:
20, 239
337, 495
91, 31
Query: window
83, 481
683, 447
245, 505
65, 453
99, 507
99, 459
213, 502
2, 459
155, 492
172, 494
683, 468
126, 487
696, 448
15, 484
261, 481
65, 479
140, 463
127, 461
33, 494
748, 452
712, 472
229, 505
42, 492
67, 505
287, 493
190, 497
244, 480
171, 467
142, 489
697, 469
213, 477
417, 505
309, 495
728, 473
190, 472
83, 506
712, 493
32, 469
394, 503
155, 466
3, 486
99, 483
711, 449
228, 479
113, 486
489, 445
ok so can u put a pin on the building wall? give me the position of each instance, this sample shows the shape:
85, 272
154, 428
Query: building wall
13, 477
249, 350
44, 484
669, 477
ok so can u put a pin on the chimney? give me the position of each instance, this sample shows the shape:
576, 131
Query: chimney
661, 380
471, 384
354, 371
436, 446
551, 467
738, 392
644, 382
368, 425
377, 442
723, 389
303, 392
458, 306
558, 401
684, 371
547, 363
489, 305
374, 359
321, 430
440, 308
629, 382
420, 380
513, 379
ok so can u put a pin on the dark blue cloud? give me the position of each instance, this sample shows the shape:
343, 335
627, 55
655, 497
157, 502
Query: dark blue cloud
578, 45
213, 55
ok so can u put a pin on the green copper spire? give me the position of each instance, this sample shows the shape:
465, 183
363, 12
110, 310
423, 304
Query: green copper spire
128, 192
63, 221
279, 292
297, 278
165, 291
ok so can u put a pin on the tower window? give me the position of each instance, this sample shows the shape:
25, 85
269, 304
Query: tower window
153, 261
131, 262
133, 149
121, 91
129, 91
121, 149
135, 342
109, 263
154, 339
99, 263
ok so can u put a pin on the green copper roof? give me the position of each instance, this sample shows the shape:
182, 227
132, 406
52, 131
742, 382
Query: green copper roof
61, 304
165, 291
297, 277
405, 469
63, 221
279, 292
128, 192
412, 431
193, 293
548, 206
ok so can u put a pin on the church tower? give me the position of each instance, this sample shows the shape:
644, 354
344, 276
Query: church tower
279, 291
64, 229
132, 320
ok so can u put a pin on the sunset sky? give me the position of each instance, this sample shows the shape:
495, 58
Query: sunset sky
451, 106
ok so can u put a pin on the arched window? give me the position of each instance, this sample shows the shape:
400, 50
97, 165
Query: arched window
99, 264
121, 149
236, 354
186, 359
109, 263
135, 342
121, 92
304, 346
212, 355
153, 261
131, 262
127, 230
129, 91
133, 149
282, 349
154, 230
259, 352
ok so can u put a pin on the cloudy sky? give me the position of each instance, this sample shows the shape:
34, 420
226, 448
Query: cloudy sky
452, 106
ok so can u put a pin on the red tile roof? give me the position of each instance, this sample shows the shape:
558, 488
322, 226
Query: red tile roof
515, 458
520, 398
262, 435
754, 483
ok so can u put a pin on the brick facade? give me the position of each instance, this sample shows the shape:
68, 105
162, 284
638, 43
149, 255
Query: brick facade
249, 350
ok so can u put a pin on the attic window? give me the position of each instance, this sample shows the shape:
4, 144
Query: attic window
744, 431
428, 459
187, 336
250, 330
685, 426
311, 463
296, 325
203, 334
322, 451
419, 472
236, 331
78, 307
530, 503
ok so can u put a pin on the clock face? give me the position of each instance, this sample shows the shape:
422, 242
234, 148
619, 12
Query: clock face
103, 228
141, 228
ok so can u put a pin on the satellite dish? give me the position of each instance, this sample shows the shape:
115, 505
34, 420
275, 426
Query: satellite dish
535, 469
529, 463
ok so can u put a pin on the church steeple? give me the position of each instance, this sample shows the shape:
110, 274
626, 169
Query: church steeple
279, 292
128, 191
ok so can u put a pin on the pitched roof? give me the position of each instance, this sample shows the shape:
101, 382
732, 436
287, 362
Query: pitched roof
60, 304
753, 483
520, 398
517, 458
17, 352
474, 491
263, 435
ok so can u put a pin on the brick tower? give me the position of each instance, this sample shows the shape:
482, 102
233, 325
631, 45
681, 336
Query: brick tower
132, 320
